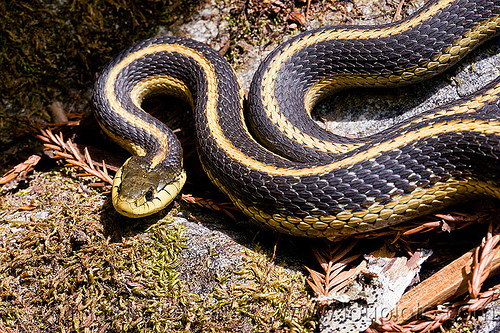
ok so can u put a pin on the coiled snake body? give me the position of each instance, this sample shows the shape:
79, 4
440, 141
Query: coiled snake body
278, 166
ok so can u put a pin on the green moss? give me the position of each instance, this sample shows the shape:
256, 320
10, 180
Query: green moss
68, 273
53, 49
64, 265
272, 297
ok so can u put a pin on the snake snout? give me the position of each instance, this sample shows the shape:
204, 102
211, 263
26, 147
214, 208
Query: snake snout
139, 192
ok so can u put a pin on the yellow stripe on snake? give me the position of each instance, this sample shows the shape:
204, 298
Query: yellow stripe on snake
278, 166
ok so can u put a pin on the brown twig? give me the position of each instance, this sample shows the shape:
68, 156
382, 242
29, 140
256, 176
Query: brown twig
20, 170
57, 113
223, 50
397, 15
297, 17
333, 263
68, 151
484, 256
481, 263
442, 223
224, 207
307, 8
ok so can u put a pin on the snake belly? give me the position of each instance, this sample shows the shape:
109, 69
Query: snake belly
277, 165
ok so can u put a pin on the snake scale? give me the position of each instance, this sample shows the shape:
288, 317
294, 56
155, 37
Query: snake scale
276, 164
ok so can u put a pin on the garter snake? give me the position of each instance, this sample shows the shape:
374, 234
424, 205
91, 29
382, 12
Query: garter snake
277, 165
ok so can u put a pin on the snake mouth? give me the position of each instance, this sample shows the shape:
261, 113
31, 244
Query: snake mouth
142, 206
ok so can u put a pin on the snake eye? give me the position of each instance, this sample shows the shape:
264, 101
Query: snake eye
149, 195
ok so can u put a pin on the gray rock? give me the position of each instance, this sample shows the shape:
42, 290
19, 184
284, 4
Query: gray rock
489, 321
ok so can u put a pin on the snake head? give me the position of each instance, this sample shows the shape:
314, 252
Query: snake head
139, 191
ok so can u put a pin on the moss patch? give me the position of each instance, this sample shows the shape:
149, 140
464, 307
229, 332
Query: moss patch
51, 50
60, 269
273, 298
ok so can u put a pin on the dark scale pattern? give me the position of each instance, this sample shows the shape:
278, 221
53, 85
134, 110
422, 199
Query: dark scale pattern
333, 193
391, 55
273, 189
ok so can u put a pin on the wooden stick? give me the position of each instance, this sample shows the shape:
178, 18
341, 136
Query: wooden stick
397, 15
57, 113
450, 282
